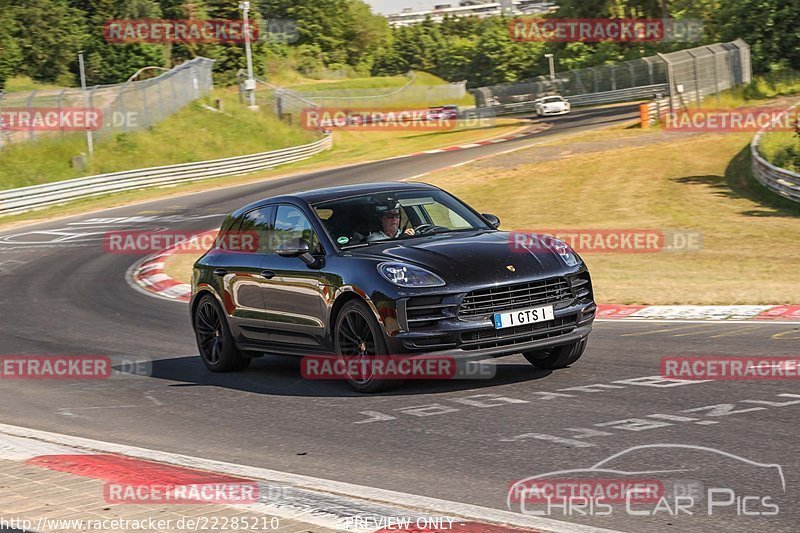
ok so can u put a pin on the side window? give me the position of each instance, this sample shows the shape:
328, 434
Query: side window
229, 226
291, 223
258, 225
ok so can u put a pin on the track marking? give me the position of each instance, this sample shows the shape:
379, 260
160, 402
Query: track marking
653, 332
780, 336
732, 333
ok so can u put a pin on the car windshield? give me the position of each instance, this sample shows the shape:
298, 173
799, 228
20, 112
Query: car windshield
553, 99
372, 218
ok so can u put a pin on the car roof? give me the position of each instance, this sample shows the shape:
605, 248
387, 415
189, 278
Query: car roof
314, 196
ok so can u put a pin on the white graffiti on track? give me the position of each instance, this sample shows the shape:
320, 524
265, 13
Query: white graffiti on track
92, 230
480, 401
708, 415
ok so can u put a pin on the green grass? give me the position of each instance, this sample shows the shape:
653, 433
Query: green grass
21, 84
781, 148
671, 182
785, 83
388, 83
193, 134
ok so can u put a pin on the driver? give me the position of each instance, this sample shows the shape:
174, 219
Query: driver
389, 215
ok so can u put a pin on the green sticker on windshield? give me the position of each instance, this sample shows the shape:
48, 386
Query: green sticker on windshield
343, 240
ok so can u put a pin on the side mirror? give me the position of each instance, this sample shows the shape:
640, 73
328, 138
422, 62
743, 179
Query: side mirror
297, 247
491, 219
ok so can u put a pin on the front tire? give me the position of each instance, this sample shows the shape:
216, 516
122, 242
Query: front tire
214, 339
558, 357
358, 334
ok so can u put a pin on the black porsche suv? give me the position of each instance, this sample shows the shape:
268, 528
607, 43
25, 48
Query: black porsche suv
386, 268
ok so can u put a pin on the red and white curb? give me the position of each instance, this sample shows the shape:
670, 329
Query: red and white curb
148, 275
714, 313
321, 502
538, 128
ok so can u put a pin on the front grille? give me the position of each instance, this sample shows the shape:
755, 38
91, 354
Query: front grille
494, 338
485, 302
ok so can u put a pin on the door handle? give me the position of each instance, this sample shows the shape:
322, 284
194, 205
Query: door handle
269, 274
220, 272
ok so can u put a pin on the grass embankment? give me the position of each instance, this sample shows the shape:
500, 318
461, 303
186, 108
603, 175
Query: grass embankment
21, 84
633, 179
197, 134
768, 86
193, 134
779, 147
414, 95
349, 148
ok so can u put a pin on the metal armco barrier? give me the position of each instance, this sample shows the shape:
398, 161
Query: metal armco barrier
46, 195
779, 180
621, 95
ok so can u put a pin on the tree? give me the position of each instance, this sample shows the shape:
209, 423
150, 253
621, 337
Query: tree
770, 27
109, 62
10, 54
49, 34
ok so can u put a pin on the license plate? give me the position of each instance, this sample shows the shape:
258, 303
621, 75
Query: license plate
523, 316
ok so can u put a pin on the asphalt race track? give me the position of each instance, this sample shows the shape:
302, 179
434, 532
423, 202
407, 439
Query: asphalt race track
465, 441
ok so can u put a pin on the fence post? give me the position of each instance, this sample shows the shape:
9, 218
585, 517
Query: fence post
697, 91
716, 74
31, 132
145, 108
60, 101
670, 82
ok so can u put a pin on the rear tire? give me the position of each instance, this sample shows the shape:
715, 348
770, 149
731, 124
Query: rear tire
558, 357
358, 334
214, 339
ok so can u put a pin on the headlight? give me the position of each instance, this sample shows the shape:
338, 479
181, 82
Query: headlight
564, 250
404, 275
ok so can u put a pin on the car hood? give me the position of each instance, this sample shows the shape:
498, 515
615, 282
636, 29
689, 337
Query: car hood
467, 258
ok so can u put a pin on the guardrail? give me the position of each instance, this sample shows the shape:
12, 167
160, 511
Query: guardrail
779, 180
40, 196
578, 100
656, 109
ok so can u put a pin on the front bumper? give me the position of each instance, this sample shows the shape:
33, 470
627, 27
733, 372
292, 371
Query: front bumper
546, 112
457, 337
